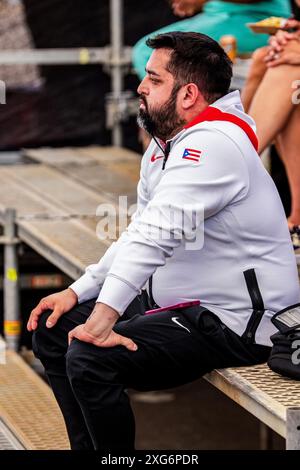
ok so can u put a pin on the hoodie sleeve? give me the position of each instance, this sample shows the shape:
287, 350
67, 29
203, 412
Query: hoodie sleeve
191, 189
89, 284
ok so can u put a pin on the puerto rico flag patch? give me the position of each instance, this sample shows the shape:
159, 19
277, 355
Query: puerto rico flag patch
192, 154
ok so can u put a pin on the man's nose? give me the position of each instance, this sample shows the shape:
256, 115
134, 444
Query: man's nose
142, 89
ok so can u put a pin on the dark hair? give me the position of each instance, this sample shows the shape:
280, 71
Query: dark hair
196, 58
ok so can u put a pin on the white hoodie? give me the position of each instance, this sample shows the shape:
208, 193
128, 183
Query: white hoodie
213, 169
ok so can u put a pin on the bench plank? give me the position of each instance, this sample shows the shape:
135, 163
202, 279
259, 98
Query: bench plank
263, 393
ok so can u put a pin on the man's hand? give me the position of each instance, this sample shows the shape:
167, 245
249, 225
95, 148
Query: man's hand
98, 329
60, 303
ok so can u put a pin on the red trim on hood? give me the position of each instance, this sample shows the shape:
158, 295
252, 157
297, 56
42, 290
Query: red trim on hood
215, 114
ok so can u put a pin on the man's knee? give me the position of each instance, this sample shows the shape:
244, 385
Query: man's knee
86, 362
40, 337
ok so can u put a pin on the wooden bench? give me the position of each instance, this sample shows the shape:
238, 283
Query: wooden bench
42, 193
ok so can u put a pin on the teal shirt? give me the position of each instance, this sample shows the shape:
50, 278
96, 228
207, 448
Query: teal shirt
219, 18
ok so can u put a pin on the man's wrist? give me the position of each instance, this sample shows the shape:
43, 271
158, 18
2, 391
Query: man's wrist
101, 319
73, 293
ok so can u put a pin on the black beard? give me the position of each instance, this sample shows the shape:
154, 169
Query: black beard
163, 122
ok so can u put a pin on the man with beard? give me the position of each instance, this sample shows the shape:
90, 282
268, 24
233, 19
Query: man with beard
95, 338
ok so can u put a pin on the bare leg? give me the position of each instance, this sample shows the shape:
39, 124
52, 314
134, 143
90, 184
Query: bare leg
272, 103
257, 70
289, 145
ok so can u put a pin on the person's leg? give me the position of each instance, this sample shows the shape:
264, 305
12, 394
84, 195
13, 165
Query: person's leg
174, 348
50, 346
257, 70
272, 104
289, 145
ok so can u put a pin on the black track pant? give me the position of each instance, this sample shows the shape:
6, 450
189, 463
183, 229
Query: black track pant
90, 383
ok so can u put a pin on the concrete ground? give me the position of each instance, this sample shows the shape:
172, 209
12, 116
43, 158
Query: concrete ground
195, 416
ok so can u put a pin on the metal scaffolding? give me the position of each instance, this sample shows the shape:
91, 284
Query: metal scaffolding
116, 58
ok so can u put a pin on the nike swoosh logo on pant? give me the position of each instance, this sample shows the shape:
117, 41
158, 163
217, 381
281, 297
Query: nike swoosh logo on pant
175, 320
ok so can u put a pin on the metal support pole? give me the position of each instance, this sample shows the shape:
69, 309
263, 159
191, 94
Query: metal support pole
293, 429
116, 33
12, 323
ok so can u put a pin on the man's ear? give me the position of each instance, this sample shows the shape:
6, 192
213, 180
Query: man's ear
189, 95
